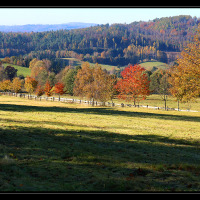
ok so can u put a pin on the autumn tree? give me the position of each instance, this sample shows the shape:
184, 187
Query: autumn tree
185, 77
6, 60
103, 85
16, 84
30, 84
160, 85
134, 84
111, 81
32, 63
37, 68
39, 91
176, 80
40, 70
59, 89
47, 89
93, 83
6, 85
83, 82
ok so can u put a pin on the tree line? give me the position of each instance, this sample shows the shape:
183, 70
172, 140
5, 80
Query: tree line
182, 80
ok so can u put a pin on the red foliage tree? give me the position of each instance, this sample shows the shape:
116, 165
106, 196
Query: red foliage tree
39, 91
59, 89
134, 84
47, 89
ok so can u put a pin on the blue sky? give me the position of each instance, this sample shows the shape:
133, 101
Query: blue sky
21, 16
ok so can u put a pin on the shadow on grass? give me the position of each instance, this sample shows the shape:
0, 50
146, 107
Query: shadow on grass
54, 160
98, 111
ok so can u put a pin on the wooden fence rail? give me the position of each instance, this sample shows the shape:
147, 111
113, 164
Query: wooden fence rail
95, 103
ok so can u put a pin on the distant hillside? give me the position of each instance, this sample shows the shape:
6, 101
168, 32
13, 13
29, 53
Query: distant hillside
116, 45
45, 27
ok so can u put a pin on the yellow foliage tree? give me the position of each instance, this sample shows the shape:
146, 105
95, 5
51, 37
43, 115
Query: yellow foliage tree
16, 84
185, 77
30, 84
6, 85
93, 83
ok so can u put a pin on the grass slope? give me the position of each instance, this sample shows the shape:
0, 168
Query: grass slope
150, 65
21, 70
147, 65
53, 146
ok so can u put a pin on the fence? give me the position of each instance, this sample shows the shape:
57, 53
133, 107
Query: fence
95, 103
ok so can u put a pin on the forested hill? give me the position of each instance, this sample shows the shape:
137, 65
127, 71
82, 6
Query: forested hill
116, 44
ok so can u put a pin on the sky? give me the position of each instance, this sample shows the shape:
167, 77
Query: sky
22, 16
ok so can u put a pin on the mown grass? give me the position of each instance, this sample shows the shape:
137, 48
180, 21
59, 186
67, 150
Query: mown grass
53, 146
155, 100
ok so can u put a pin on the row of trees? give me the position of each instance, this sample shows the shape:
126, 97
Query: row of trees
135, 85
182, 80
31, 86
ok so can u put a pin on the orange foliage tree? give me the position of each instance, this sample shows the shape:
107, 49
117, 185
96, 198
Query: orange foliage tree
30, 84
59, 89
134, 84
39, 91
47, 89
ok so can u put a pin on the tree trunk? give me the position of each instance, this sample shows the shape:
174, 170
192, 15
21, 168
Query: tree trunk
165, 104
92, 101
178, 105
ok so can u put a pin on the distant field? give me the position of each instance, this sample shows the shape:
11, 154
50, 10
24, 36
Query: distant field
21, 70
54, 146
75, 62
78, 62
147, 65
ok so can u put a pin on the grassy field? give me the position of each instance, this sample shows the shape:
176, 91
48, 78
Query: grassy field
156, 101
53, 146
21, 70
77, 62
147, 65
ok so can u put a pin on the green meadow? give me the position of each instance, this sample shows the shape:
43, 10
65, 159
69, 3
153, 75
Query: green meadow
54, 146
21, 70
147, 65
